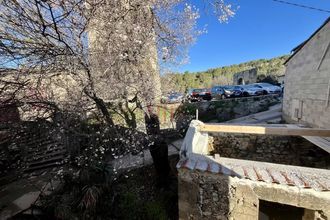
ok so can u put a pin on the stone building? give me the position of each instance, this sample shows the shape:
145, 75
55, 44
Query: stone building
224, 188
245, 77
132, 67
307, 81
66, 90
240, 176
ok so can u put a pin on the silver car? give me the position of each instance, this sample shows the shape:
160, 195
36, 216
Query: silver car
250, 90
268, 88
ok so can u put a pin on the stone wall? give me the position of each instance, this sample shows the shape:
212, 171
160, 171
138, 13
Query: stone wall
208, 196
144, 75
205, 195
245, 77
307, 81
268, 148
229, 109
223, 110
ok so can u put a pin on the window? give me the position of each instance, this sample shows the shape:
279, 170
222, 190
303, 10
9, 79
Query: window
277, 211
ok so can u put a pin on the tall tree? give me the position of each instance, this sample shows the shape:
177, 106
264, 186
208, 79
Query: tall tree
49, 38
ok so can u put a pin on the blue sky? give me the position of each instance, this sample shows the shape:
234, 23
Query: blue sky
260, 29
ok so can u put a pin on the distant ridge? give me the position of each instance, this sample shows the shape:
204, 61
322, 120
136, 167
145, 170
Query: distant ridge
221, 75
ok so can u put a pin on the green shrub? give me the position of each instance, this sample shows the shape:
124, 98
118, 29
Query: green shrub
154, 211
130, 207
186, 109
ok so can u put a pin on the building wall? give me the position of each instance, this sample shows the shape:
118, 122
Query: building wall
140, 75
245, 77
209, 196
270, 148
204, 195
307, 83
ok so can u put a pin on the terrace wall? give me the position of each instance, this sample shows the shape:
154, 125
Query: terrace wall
269, 148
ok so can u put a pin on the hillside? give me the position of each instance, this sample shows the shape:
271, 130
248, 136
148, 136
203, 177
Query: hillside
221, 75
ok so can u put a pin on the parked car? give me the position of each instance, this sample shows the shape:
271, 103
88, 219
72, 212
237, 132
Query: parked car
217, 92
250, 90
268, 88
198, 95
232, 91
205, 94
222, 92
174, 97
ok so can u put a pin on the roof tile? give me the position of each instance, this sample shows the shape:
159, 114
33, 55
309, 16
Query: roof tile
262, 172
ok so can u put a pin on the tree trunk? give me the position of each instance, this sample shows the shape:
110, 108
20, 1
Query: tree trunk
159, 153
158, 150
104, 110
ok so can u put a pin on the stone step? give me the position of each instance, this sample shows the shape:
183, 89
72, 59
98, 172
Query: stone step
53, 164
35, 144
45, 153
29, 137
42, 156
39, 142
45, 149
46, 161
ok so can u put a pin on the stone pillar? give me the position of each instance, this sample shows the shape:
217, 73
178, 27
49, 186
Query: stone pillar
209, 196
188, 197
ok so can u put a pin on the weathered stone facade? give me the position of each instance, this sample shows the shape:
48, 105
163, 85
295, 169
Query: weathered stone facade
307, 82
267, 177
142, 74
208, 196
204, 195
268, 148
245, 77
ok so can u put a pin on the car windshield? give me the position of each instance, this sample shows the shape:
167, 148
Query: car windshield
237, 87
266, 85
197, 90
228, 88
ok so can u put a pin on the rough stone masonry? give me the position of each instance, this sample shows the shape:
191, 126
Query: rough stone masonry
270, 148
217, 187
